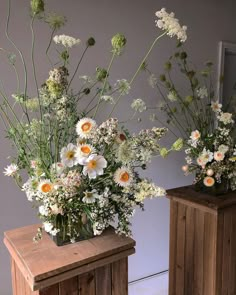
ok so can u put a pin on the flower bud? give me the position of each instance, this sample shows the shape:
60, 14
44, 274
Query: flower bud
91, 42
185, 168
164, 152
37, 6
210, 172
178, 144
118, 42
101, 74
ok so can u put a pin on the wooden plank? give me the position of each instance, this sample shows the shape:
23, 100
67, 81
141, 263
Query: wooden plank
232, 260
120, 277
82, 269
198, 253
52, 290
69, 287
172, 250
44, 260
103, 280
189, 251
219, 252
20, 282
180, 251
226, 252
13, 276
209, 252
87, 284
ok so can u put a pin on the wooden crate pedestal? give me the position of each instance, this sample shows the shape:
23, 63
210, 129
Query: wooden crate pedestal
202, 243
98, 266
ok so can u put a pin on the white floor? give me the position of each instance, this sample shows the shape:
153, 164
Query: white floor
156, 285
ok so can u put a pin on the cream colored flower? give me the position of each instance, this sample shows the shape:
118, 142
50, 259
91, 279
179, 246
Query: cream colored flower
123, 176
94, 165
66, 41
219, 156
84, 150
85, 127
209, 181
45, 186
68, 157
226, 118
216, 106
195, 135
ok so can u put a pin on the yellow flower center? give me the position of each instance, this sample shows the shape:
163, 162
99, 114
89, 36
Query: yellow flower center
85, 149
70, 155
46, 187
86, 126
92, 164
124, 177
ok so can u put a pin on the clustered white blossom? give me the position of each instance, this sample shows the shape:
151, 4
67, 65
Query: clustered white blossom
139, 105
169, 23
66, 41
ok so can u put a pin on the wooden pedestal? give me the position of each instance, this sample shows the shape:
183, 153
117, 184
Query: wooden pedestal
98, 266
202, 243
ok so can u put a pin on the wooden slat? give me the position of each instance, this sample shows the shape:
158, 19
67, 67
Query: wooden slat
226, 253
180, 259
13, 276
232, 259
219, 251
198, 253
120, 277
173, 246
103, 280
209, 251
87, 284
44, 260
189, 250
69, 287
82, 269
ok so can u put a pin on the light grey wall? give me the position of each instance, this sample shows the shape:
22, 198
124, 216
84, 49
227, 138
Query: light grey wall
208, 23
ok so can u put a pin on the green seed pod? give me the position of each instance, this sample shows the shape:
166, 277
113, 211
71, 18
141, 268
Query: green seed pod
37, 6
101, 74
118, 42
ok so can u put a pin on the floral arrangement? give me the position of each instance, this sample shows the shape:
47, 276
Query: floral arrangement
199, 118
81, 175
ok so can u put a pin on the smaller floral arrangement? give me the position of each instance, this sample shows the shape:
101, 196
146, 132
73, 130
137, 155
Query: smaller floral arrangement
213, 157
95, 180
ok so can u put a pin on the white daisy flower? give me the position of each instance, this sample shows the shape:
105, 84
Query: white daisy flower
68, 157
11, 170
84, 150
90, 197
94, 165
123, 176
45, 186
85, 127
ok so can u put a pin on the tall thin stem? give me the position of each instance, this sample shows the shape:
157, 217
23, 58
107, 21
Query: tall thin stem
49, 45
139, 68
77, 67
104, 84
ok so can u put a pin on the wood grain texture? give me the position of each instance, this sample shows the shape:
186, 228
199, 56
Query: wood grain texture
69, 287
45, 264
120, 277
202, 243
87, 284
52, 290
103, 280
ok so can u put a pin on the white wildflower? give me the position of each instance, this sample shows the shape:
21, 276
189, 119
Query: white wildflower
94, 165
68, 155
11, 170
108, 98
216, 106
138, 105
123, 176
225, 118
86, 127
123, 86
90, 197
66, 41
169, 23
152, 80
172, 96
202, 92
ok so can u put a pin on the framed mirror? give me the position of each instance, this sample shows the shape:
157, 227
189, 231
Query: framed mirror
227, 75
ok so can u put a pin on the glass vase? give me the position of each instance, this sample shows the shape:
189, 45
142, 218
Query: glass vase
72, 228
